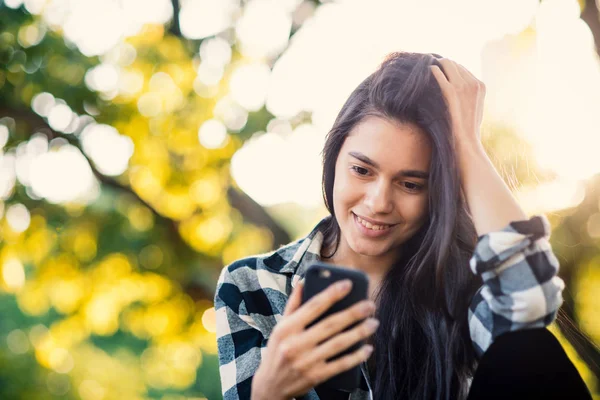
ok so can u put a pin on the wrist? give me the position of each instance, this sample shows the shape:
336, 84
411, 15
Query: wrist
469, 147
469, 154
259, 390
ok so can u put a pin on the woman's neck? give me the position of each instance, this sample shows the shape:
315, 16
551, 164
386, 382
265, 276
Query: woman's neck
375, 267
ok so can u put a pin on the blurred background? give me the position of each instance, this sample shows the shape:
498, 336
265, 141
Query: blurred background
145, 144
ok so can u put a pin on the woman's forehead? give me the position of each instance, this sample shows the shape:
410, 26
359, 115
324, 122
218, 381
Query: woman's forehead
390, 142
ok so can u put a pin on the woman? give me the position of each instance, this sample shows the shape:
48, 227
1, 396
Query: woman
416, 204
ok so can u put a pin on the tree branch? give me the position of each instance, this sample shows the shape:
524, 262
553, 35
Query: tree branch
39, 124
590, 16
257, 215
252, 211
175, 29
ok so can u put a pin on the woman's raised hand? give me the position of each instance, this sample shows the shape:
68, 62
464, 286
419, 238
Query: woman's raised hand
464, 95
295, 359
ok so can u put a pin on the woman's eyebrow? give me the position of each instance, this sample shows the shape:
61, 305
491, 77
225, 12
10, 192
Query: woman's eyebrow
405, 172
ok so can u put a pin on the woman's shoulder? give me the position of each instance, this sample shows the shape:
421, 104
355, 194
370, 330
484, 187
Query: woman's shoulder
273, 261
262, 283
261, 272
256, 288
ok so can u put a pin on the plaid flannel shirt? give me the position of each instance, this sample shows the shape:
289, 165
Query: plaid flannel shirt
520, 290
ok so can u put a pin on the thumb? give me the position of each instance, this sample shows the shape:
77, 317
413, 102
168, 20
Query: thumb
295, 299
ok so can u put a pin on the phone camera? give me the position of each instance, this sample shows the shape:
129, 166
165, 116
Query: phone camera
323, 273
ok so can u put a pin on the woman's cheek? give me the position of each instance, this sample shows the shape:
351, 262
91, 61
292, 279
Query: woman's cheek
423, 206
416, 207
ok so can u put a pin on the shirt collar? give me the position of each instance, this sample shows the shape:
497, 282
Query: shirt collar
308, 252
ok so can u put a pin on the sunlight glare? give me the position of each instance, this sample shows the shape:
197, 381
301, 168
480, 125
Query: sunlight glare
95, 26
202, 18
298, 167
264, 28
248, 85
215, 51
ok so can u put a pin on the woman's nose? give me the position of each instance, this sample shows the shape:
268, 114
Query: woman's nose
379, 198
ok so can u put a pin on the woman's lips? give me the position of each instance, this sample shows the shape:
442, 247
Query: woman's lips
371, 232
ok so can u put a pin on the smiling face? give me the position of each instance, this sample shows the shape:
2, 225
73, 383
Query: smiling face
380, 192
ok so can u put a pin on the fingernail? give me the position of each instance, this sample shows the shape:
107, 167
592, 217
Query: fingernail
368, 349
368, 307
372, 323
344, 285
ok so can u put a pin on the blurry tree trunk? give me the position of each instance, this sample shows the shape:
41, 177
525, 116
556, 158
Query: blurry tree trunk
256, 214
590, 16
582, 250
175, 29
586, 349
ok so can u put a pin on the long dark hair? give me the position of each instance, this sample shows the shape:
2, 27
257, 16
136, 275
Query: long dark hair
422, 348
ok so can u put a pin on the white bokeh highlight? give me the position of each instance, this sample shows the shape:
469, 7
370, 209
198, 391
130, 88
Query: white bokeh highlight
264, 28
108, 149
248, 85
63, 176
275, 168
212, 134
18, 217
202, 18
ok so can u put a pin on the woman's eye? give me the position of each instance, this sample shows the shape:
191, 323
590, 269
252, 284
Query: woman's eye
360, 170
412, 186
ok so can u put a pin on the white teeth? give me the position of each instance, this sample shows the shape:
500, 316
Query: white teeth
370, 225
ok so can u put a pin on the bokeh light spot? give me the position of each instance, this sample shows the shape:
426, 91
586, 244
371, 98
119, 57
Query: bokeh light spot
61, 360
4, 133
13, 274
58, 384
42, 103
91, 390
18, 217
209, 320
17, 341
212, 134
593, 226
248, 85
59, 117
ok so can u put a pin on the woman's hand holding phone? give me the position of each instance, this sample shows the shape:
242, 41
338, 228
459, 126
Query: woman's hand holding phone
295, 359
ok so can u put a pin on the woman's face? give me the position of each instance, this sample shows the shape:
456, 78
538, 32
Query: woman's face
380, 192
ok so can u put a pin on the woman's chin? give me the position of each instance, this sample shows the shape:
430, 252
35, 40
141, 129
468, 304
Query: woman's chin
368, 250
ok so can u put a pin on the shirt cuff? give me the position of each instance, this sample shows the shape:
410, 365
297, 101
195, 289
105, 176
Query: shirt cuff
494, 248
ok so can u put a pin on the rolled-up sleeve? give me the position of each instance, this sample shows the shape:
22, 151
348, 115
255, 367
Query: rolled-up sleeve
520, 288
239, 343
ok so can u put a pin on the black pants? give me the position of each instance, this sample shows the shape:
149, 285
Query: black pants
527, 364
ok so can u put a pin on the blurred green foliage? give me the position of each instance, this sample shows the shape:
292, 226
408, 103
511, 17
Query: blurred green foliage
113, 299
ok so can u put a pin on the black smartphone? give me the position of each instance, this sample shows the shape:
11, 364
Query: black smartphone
318, 277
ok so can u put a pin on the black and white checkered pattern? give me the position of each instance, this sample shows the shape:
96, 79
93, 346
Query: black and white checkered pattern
520, 290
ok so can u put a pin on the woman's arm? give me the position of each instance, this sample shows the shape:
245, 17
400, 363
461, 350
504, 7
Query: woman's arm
239, 344
513, 256
490, 201
520, 288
